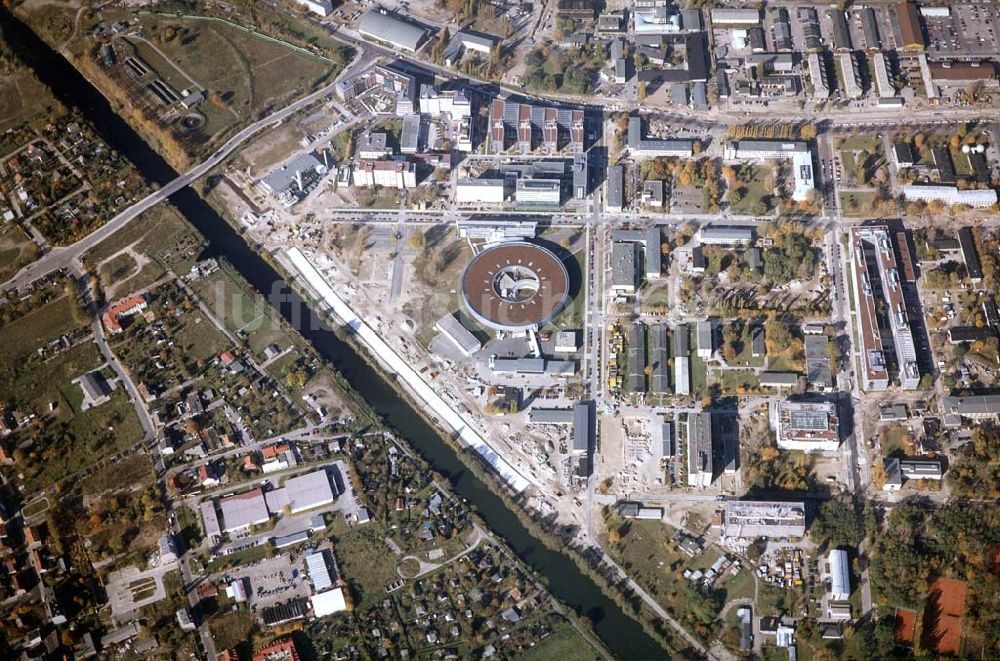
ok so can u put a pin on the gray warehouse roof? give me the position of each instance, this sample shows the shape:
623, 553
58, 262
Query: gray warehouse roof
243, 510
972, 405
623, 271
818, 361
410, 135
616, 185
581, 429
391, 28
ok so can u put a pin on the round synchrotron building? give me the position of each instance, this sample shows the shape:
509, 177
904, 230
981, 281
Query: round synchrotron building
515, 286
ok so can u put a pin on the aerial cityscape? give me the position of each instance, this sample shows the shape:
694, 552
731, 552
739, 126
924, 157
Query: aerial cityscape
499, 329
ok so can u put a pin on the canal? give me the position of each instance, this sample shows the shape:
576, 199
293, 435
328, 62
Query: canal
622, 634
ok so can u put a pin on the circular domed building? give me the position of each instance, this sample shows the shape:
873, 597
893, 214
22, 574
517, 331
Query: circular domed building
515, 286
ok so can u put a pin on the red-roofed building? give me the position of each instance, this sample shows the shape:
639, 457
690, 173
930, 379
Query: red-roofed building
227, 358
123, 308
272, 451
282, 649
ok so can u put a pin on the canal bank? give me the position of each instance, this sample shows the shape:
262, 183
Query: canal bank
619, 632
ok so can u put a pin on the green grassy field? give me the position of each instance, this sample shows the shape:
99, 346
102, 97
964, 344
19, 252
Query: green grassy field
21, 337
867, 143
759, 187
160, 233
250, 75
857, 205
564, 643
22, 98
241, 310
571, 316
16, 249
366, 563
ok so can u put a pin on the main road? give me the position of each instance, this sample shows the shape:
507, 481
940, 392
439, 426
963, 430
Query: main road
60, 258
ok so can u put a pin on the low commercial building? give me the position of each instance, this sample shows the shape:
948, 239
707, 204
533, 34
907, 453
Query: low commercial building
624, 274
807, 426
328, 602
582, 420
722, 235
974, 407
566, 342
374, 146
634, 510
967, 244
902, 153
682, 360
700, 460
652, 193
458, 335
649, 148
779, 380
302, 493
388, 27
749, 519
898, 471
849, 71
883, 77
659, 359
818, 76
637, 357
728, 18
819, 375
243, 510
615, 200
480, 191
798, 152
650, 241
409, 140
908, 27
389, 174
318, 7
538, 193
705, 331
951, 195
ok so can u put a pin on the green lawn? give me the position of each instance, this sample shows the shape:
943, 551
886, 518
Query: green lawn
730, 380
739, 586
759, 191
699, 377
868, 143
571, 316
857, 204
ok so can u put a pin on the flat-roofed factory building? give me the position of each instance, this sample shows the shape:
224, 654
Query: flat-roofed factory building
749, 519
807, 426
459, 335
700, 460
394, 29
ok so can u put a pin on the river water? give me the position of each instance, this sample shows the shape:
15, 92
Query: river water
622, 634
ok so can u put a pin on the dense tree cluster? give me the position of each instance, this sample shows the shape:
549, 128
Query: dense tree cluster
561, 71
976, 472
920, 542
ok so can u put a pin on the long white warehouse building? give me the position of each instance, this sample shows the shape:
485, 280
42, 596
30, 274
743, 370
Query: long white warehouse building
446, 415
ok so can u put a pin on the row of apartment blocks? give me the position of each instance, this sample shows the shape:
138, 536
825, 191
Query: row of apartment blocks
526, 126
878, 280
